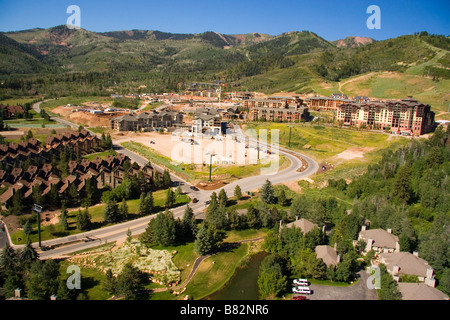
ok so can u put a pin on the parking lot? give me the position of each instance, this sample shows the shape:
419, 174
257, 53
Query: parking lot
358, 291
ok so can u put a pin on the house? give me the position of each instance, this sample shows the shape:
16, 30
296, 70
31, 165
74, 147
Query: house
406, 263
305, 225
8, 112
379, 240
328, 254
420, 291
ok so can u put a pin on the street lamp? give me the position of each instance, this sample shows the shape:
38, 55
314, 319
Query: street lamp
38, 210
290, 129
210, 166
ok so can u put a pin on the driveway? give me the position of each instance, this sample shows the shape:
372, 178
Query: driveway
358, 291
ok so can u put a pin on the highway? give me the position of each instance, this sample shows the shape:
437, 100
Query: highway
65, 245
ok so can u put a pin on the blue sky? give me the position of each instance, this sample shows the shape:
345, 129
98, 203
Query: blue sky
330, 19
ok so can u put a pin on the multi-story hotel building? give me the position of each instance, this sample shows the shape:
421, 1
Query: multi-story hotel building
404, 117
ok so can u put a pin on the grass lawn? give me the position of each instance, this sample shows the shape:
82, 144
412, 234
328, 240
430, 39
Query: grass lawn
156, 158
153, 105
91, 281
215, 271
191, 172
395, 85
212, 274
102, 155
325, 143
17, 101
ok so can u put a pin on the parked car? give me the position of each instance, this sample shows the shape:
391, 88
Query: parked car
301, 290
300, 298
194, 188
300, 282
195, 200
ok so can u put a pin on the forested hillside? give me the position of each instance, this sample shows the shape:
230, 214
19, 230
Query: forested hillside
59, 61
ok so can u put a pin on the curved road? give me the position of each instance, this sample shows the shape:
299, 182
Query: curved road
93, 238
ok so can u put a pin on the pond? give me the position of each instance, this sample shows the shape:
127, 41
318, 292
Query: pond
244, 283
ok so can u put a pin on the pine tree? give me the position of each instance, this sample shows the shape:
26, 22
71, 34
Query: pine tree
73, 194
203, 242
124, 209
208, 239
267, 193
8, 259
129, 281
28, 254
37, 194
282, 200
223, 198
63, 218
84, 220
146, 204
27, 229
111, 213
238, 193
189, 225
164, 229
170, 198
166, 179
109, 285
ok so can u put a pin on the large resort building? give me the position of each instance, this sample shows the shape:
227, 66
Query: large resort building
406, 117
276, 108
152, 120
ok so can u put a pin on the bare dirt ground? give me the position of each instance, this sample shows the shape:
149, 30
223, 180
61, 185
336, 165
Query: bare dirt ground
172, 146
293, 185
87, 118
353, 153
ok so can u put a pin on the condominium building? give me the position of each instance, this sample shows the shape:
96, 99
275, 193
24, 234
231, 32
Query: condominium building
147, 120
405, 117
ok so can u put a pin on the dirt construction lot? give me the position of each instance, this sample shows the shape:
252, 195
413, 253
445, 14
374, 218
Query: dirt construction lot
180, 148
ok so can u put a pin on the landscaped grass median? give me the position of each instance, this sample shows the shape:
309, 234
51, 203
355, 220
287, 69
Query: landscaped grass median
156, 158
190, 172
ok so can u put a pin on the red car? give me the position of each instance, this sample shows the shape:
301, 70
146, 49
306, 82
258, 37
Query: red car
300, 298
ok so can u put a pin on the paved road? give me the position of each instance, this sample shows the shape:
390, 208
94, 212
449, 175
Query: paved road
93, 238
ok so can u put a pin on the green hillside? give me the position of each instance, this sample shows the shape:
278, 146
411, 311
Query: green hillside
63, 62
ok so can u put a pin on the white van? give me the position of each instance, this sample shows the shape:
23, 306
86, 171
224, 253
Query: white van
301, 290
300, 282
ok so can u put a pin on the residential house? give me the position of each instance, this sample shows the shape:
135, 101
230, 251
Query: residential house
305, 225
399, 264
420, 291
328, 255
379, 240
